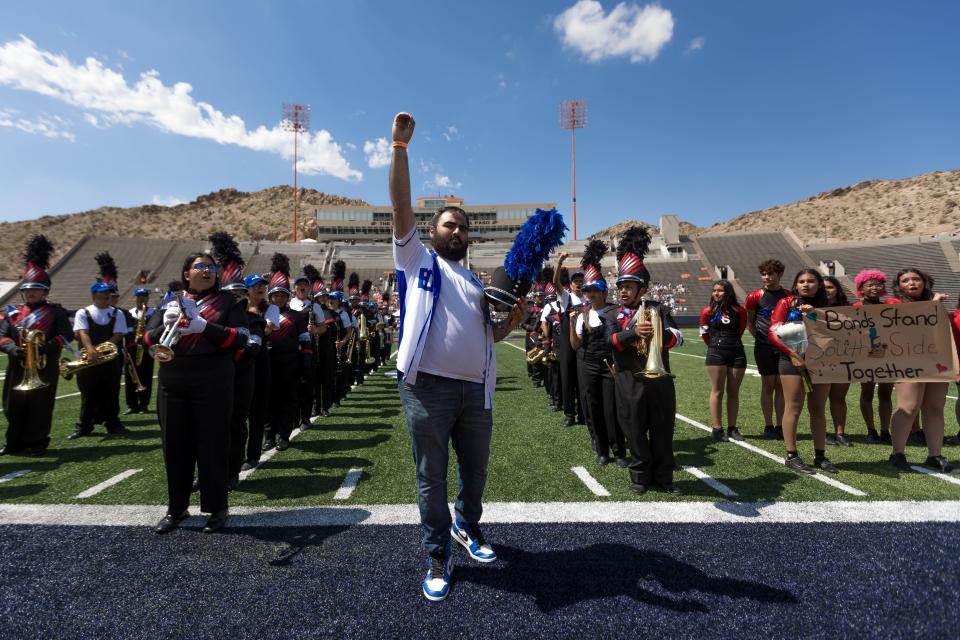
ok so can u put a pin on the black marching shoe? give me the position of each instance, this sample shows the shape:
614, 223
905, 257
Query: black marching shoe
779, 430
826, 465
268, 444
885, 437
719, 435
952, 440
119, 430
195, 486
233, 483
79, 432
670, 488
36, 452
304, 426
170, 522
603, 460
622, 463
249, 464
282, 444
769, 433
324, 414
130, 411
568, 421
734, 434
796, 464
899, 461
842, 440
6, 451
638, 488
938, 463
216, 521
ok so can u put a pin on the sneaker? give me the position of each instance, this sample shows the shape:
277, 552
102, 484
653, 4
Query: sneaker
918, 438
472, 540
939, 463
769, 432
885, 437
842, 440
796, 464
436, 585
873, 437
719, 435
779, 430
826, 465
899, 461
832, 440
734, 434
952, 440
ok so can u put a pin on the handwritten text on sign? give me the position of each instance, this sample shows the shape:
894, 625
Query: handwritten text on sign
881, 343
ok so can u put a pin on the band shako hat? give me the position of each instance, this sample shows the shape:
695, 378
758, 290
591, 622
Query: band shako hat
545, 276
280, 280
107, 280
226, 253
36, 258
365, 291
593, 253
631, 249
354, 286
313, 277
339, 273
539, 235
550, 290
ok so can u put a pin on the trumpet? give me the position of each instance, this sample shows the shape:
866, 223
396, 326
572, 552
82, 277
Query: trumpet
30, 342
163, 351
106, 351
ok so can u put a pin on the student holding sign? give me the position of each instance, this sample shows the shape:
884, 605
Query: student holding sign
872, 289
914, 285
838, 390
955, 327
786, 333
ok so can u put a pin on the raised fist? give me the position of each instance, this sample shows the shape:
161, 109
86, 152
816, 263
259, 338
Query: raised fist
403, 125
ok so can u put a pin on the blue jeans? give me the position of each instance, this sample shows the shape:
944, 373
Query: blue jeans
439, 410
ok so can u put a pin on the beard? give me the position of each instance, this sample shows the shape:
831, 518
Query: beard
449, 248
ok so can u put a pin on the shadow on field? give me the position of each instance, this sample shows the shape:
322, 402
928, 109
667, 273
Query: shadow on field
20, 491
558, 579
332, 445
352, 426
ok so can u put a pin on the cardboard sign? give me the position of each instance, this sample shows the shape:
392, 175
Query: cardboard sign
881, 343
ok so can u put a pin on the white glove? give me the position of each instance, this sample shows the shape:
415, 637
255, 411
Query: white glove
170, 316
193, 325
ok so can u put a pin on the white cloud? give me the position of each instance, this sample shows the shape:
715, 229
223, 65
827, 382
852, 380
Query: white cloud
105, 94
169, 201
629, 30
441, 181
696, 44
351, 146
47, 126
378, 153
451, 133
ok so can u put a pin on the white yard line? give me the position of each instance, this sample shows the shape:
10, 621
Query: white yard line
267, 455
711, 482
766, 454
106, 484
505, 512
595, 487
14, 475
936, 474
510, 344
348, 485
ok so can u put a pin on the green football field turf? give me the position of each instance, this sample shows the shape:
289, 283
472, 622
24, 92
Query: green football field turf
531, 460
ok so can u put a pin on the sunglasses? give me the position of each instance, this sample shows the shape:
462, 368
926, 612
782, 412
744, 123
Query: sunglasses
203, 266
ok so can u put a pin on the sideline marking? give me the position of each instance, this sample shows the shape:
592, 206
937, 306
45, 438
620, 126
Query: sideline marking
14, 475
712, 482
120, 477
266, 455
766, 454
936, 474
349, 484
504, 512
595, 487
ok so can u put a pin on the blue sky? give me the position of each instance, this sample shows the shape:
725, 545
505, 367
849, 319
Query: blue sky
704, 109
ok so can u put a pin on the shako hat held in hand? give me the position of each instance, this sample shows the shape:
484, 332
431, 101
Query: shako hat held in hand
107, 281
226, 253
539, 235
280, 280
631, 250
593, 253
36, 257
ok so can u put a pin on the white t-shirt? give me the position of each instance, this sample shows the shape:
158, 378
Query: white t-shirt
101, 317
594, 319
455, 346
347, 319
548, 310
566, 298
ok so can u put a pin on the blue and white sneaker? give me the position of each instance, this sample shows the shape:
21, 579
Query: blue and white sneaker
472, 540
436, 585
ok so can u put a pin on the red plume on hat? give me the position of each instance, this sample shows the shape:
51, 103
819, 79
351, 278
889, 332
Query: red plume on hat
108, 269
550, 289
226, 253
354, 285
631, 250
313, 276
280, 280
593, 254
37, 259
339, 273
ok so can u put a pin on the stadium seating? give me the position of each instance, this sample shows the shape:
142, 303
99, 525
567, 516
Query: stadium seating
744, 251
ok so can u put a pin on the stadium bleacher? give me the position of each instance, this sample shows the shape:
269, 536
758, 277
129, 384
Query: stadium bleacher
744, 251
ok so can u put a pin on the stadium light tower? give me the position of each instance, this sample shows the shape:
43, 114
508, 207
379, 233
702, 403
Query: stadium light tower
296, 118
573, 116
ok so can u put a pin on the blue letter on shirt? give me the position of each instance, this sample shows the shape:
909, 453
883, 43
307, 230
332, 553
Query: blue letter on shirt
425, 281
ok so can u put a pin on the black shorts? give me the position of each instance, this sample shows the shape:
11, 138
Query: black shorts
734, 358
786, 367
767, 358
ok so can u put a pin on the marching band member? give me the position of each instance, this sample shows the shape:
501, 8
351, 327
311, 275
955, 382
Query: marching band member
838, 391
345, 334
550, 329
588, 338
722, 323
531, 328
914, 285
358, 353
325, 389
262, 317
646, 401
871, 288
568, 298
760, 305
30, 413
195, 395
230, 263
806, 294
387, 327
303, 302
137, 317
368, 313
99, 384
290, 357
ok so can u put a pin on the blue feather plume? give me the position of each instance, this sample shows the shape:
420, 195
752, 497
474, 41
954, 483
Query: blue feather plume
539, 235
